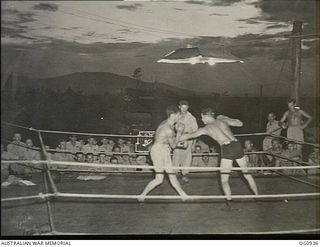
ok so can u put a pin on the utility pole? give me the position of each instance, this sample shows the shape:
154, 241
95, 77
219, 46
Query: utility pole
261, 106
296, 60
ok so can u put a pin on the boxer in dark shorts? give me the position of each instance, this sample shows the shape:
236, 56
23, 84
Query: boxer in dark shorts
219, 130
232, 151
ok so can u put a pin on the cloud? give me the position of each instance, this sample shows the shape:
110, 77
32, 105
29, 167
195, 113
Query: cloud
224, 2
217, 14
255, 20
196, 2
276, 26
14, 33
124, 30
19, 17
249, 46
214, 2
46, 7
289, 10
131, 7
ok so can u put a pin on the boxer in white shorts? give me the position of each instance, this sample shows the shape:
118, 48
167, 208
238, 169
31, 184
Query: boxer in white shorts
165, 139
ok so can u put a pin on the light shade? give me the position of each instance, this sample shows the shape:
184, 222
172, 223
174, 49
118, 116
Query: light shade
193, 55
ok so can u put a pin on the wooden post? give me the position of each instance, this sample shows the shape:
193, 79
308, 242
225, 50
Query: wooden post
261, 106
296, 60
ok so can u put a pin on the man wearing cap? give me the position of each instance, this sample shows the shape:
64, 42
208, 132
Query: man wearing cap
182, 154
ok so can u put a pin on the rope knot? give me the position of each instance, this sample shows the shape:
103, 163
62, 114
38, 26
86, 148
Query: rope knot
42, 196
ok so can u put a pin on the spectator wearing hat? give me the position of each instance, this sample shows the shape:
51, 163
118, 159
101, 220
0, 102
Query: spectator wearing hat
182, 154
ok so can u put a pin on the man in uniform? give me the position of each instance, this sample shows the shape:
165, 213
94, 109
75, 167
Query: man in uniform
182, 154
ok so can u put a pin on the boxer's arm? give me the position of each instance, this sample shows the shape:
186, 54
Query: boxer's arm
230, 121
173, 141
193, 135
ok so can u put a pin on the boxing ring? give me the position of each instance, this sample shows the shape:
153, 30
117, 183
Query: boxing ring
51, 193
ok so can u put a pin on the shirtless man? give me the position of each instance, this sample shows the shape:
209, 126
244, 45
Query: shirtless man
231, 149
165, 139
272, 128
295, 122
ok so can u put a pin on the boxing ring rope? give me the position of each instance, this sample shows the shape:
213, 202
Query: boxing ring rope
56, 194
232, 233
136, 136
190, 168
295, 141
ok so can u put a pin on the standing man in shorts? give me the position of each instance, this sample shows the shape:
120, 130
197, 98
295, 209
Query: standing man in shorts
231, 149
294, 117
182, 154
165, 139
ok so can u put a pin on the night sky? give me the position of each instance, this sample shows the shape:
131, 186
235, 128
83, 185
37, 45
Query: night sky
57, 38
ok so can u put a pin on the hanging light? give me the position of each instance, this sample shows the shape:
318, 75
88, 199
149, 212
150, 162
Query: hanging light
193, 55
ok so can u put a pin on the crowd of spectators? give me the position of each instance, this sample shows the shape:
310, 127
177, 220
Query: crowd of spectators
120, 151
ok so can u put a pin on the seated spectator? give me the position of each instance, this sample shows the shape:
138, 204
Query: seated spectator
6, 167
62, 153
105, 146
213, 160
313, 160
93, 175
81, 144
196, 159
91, 146
102, 158
205, 159
111, 143
79, 156
121, 144
126, 159
142, 160
31, 152
277, 150
202, 144
16, 147
89, 158
294, 154
128, 146
73, 145
114, 160
116, 153
252, 159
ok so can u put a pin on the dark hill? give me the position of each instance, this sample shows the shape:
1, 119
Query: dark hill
97, 83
